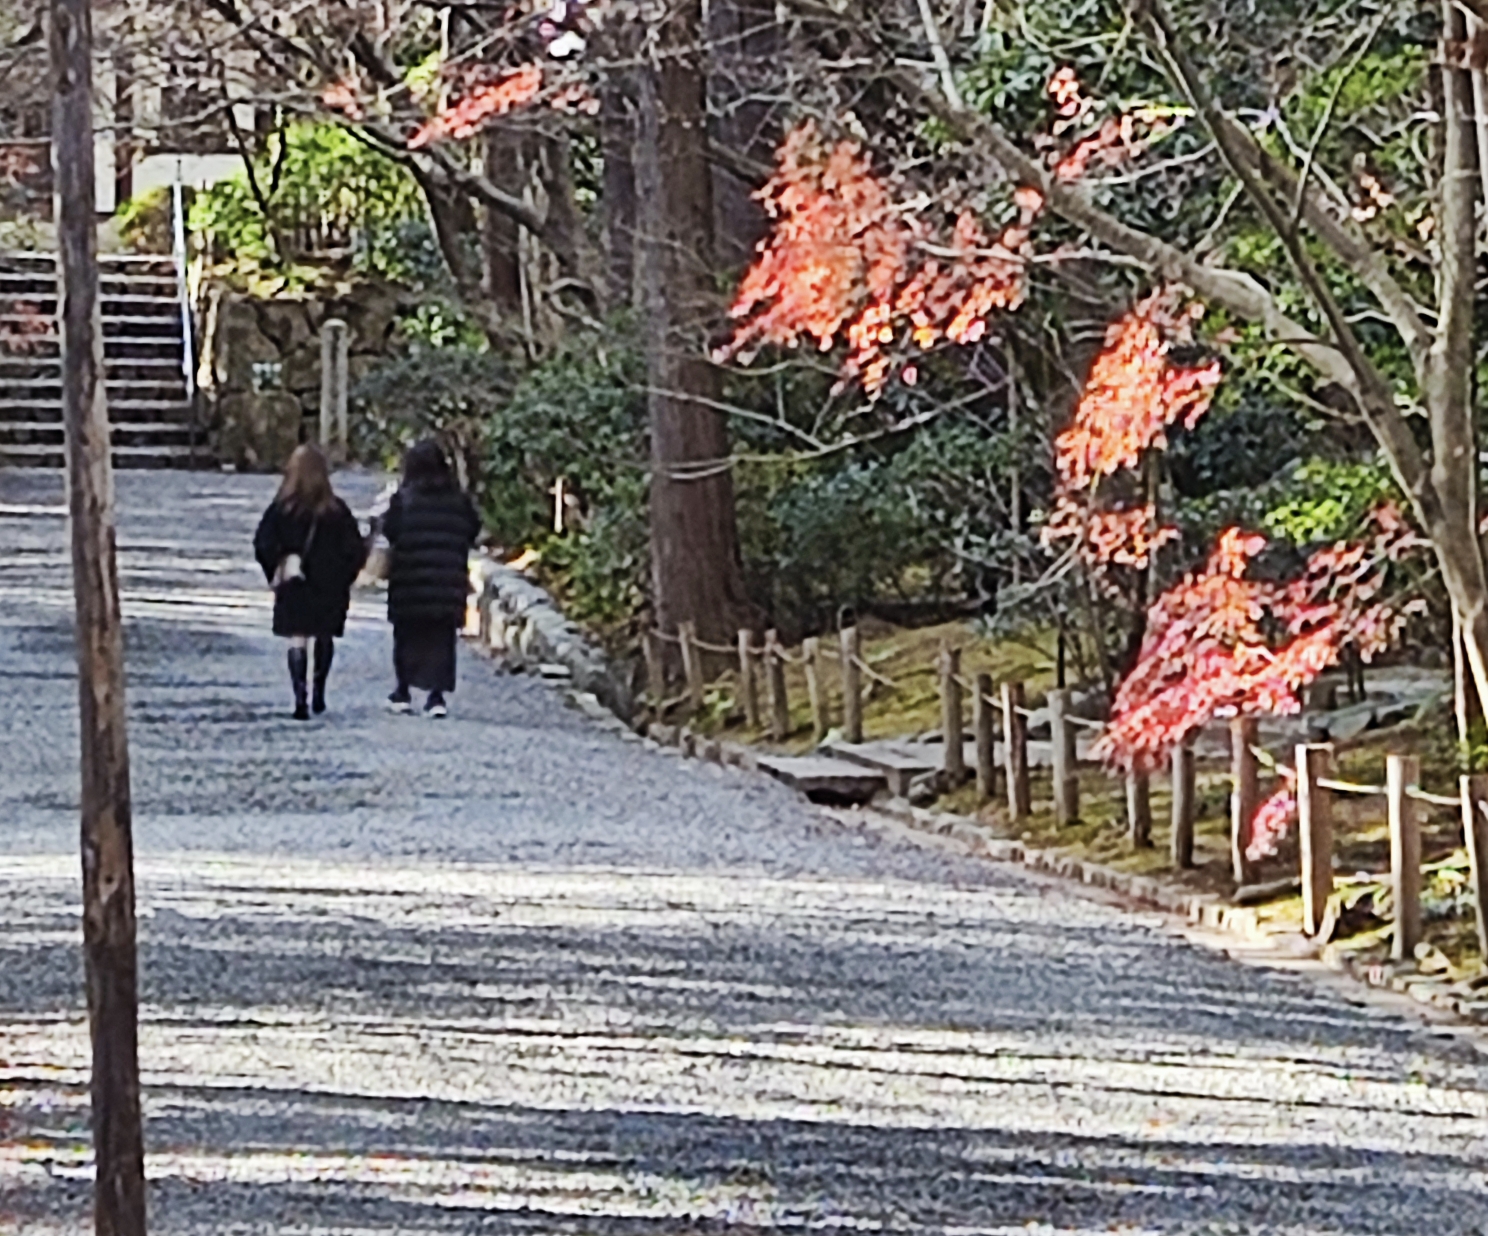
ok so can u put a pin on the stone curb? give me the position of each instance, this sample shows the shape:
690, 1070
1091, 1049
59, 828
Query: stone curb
520, 622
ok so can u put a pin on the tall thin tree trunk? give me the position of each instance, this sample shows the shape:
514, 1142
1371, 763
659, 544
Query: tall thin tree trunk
617, 136
745, 44
109, 953
694, 537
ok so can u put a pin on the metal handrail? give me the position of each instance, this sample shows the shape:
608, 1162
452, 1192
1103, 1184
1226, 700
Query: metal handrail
183, 294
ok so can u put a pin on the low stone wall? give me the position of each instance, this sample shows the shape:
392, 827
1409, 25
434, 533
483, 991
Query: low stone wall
260, 364
520, 622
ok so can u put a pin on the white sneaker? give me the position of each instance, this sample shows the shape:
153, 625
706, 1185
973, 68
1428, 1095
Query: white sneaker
399, 704
436, 707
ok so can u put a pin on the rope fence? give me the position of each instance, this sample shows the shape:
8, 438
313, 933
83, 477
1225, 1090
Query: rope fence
999, 753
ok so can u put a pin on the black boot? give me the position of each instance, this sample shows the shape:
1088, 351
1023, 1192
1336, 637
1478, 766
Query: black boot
325, 653
299, 659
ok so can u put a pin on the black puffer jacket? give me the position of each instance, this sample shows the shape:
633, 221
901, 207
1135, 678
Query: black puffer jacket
431, 534
317, 604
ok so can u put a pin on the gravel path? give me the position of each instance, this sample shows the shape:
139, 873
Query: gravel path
511, 973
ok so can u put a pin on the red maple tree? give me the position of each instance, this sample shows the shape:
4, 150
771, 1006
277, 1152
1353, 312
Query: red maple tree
861, 255
1133, 395
483, 100
848, 256
1224, 643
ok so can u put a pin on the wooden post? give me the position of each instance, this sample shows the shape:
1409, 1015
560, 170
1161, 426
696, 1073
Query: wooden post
1244, 794
692, 663
1475, 828
1062, 740
1015, 754
780, 723
1139, 810
335, 381
1185, 806
110, 959
1402, 773
655, 656
748, 687
1315, 832
852, 686
982, 724
811, 660
953, 739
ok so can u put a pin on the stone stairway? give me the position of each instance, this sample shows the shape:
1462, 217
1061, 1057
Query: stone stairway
150, 408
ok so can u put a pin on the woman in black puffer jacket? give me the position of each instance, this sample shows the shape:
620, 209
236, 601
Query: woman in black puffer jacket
431, 528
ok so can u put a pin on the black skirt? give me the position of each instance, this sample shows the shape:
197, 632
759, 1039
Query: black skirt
424, 655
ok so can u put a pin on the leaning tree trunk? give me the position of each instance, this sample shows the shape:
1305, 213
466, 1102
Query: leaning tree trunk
110, 958
696, 571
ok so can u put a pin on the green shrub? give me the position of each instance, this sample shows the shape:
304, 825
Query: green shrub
144, 221
317, 178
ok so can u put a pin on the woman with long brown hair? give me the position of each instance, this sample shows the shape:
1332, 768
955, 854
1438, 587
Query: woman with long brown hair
310, 548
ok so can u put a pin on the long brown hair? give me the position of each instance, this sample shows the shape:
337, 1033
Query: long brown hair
307, 481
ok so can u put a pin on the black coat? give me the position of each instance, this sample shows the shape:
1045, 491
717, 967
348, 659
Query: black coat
317, 604
430, 534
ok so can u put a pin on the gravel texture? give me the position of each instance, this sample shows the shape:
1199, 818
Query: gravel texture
512, 973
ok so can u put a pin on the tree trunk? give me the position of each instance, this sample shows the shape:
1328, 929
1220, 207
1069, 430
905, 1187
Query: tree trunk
617, 136
696, 570
502, 277
745, 46
109, 954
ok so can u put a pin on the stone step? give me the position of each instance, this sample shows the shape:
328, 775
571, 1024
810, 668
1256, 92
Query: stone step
52, 457
133, 430
824, 780
48, 344
128, 295
50, 389
11, 406
898, 762
114, 325
36, 258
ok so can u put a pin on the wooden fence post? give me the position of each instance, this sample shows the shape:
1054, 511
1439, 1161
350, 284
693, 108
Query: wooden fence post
852, 686
1062, 741
953, 741
1475, 829
692, 663
655, 669
1244, 794
780, 725
1315, 831
1139, 810
981, 724
1015, 755
1185, 806
748, 688
811, 661
1403, 773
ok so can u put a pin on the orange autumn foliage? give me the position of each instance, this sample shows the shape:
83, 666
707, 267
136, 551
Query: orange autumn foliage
465, 117
846, 258
1133, 395
1221, 643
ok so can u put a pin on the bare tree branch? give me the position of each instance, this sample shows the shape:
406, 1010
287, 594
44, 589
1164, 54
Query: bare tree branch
1375, 398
